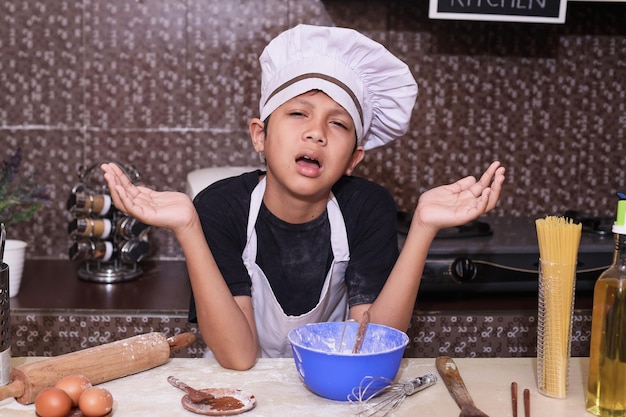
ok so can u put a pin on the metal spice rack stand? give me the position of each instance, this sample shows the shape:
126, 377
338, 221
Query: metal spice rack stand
108, 243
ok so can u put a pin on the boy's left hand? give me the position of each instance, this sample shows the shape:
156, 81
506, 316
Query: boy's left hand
460, 202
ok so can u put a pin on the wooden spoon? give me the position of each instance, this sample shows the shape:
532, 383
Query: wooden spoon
452, 378
365, 321
196, 396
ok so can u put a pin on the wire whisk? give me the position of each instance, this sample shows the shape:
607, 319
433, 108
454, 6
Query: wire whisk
379, 396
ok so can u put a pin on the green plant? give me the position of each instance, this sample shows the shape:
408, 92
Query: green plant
20, 197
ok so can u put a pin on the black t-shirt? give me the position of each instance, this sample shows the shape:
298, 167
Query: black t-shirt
296, 257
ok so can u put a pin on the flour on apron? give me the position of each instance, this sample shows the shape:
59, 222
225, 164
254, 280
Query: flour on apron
272, 323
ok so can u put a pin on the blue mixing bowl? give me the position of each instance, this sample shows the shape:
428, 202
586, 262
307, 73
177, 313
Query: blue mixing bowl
326, 364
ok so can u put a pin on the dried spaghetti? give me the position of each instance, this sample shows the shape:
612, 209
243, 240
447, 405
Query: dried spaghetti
559, 239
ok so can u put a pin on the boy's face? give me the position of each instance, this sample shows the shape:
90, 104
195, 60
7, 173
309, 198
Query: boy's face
310, 142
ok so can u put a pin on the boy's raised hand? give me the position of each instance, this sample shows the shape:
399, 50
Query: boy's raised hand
166, 209
460, 202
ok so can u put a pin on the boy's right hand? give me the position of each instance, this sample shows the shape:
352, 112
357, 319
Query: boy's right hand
171, 210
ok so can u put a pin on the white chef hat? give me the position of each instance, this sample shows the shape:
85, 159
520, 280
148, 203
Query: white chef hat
367, 80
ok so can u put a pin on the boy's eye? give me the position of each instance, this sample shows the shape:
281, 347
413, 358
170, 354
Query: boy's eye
340, 124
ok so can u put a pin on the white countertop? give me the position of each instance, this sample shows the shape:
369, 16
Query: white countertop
279, 392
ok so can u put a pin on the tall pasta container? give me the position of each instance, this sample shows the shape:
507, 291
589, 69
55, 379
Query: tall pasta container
559, 239
554, 327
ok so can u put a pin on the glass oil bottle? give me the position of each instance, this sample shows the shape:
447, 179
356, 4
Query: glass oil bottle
606, 390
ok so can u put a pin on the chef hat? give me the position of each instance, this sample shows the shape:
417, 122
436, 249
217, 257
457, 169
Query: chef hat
368, 81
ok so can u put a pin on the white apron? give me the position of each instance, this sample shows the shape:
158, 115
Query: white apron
272, 323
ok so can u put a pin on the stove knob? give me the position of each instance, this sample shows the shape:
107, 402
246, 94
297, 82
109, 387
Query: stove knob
463, 269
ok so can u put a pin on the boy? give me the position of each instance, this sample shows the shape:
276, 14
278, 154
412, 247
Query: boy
304, 241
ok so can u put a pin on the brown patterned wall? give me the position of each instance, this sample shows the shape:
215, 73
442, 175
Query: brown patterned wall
470, 334
169, 86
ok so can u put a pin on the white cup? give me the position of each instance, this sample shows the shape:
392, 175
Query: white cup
14, 253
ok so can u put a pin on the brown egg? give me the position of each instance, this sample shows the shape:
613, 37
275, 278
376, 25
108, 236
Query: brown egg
73, 385
95, 402
53, 402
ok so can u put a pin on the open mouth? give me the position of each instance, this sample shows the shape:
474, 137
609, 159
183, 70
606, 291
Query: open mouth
307, 160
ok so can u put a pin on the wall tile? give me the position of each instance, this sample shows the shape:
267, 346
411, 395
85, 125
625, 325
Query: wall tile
308, 12
602, 171
367, 16
223, 77
42, 63
135, 56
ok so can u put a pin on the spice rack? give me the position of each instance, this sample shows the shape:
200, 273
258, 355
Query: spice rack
106, 242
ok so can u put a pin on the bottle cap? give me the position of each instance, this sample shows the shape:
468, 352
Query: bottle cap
108, 226
106, 204
108, 253
619, 226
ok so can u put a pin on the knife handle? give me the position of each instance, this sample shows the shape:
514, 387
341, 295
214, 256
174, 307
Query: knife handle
452, 378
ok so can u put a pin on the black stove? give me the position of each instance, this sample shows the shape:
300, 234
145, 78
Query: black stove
501, 254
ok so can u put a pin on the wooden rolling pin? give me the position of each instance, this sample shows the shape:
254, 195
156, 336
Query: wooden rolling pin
99, 364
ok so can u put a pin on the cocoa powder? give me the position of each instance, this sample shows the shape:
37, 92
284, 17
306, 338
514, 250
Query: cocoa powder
225, 403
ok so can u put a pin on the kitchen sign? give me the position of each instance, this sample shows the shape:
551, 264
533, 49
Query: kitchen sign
541, 11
